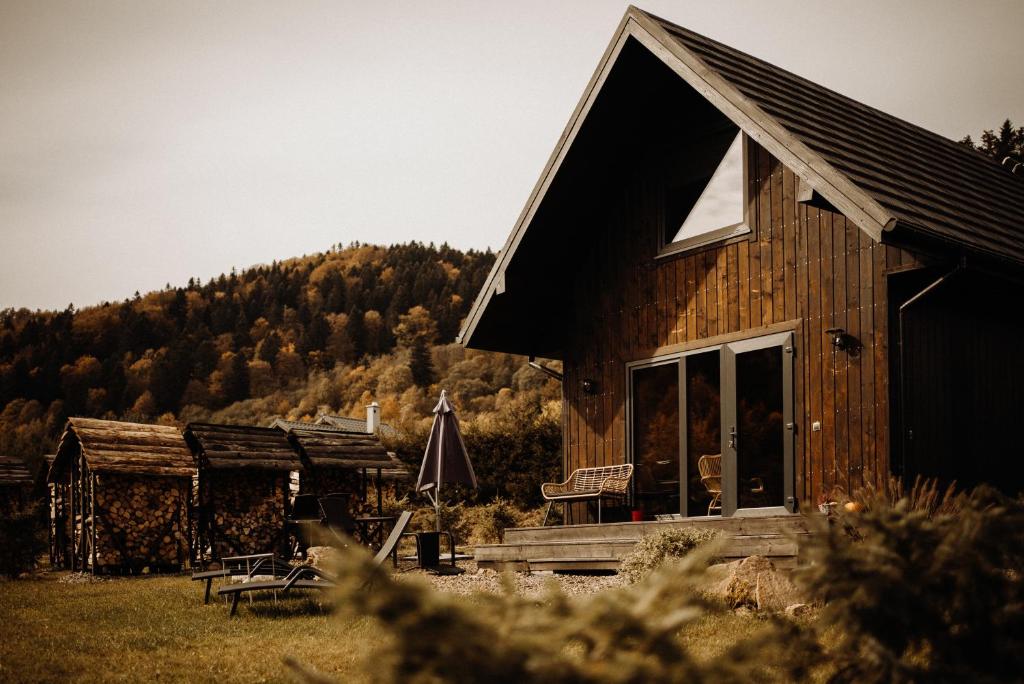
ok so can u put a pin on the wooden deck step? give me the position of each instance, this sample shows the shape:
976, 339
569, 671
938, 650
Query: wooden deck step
736, 526
571, 564
594, 549
600, 547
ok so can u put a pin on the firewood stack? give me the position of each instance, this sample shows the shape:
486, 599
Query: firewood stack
140, 522
123, 491
243, 491
247, 510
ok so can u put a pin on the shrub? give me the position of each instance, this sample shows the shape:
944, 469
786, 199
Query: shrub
488, 522
453, 519
915, 592
22, 540
651, 552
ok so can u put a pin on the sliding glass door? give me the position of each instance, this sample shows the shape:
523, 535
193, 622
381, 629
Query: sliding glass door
711, 429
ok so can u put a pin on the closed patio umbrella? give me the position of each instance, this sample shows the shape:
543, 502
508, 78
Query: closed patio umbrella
445, 460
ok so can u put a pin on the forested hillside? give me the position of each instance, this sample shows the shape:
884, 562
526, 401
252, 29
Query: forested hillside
327, 332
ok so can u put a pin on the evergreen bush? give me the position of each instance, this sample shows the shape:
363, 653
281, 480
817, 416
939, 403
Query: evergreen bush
652, 551
488, 522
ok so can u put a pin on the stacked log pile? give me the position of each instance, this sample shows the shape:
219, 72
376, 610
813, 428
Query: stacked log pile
323, 481
123, 493
141, 521
60, 524
246, 510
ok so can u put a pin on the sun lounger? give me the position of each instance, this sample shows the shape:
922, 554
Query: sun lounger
308, 577
301, 577
243, 566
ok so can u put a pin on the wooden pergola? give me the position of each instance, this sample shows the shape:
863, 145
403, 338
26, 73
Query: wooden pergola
121, 496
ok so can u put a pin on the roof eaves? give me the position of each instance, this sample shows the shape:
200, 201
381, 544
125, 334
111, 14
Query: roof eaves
495, 279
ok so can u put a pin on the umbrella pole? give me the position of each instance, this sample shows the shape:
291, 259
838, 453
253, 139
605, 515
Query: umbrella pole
437, 507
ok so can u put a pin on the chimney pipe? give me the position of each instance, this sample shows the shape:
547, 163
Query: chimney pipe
372, 417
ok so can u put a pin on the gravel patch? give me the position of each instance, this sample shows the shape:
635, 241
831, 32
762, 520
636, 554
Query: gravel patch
82, 578
534, 584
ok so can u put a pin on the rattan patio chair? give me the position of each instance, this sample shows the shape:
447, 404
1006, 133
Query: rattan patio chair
589, 484
710, 468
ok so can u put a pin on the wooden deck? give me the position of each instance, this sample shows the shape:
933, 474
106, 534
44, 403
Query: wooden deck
600, 547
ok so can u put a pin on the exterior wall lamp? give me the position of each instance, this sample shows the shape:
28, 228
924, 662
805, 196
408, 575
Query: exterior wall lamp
589, 386
843, 341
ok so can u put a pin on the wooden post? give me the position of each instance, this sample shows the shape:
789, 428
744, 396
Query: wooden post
81, 510
70, 510
92, 517
380, 493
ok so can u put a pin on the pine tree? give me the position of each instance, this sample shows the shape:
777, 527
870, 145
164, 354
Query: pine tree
236, 379
421, 364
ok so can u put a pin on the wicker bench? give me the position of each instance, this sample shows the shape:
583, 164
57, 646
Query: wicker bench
589, 484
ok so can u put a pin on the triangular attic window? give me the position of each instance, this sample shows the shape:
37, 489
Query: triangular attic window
717, 211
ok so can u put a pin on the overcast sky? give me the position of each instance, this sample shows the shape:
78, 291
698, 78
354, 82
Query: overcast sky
146, 142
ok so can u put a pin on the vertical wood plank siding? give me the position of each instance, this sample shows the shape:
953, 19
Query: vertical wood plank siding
800, 264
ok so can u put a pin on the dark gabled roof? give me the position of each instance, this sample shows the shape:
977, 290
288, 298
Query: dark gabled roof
885, 175
116, 447
241, 446
288, 425
351, 424
332, 448
930, 184
13, 471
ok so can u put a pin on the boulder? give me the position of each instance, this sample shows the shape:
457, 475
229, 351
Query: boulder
753, 582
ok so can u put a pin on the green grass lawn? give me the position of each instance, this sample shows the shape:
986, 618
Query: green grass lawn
156, 628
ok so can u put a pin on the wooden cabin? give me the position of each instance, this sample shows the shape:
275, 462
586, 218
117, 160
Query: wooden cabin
121, 498
743, 265
15, 485
243, 488
336, 460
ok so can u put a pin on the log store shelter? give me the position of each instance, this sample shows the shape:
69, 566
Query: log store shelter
16, 484
122, 497
243, 488
337, 460
745, 265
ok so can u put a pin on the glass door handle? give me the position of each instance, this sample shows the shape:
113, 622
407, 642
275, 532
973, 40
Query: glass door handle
732, 437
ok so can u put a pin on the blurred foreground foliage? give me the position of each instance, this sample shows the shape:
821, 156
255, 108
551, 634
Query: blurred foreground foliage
627, 635
909, 586
922, 585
